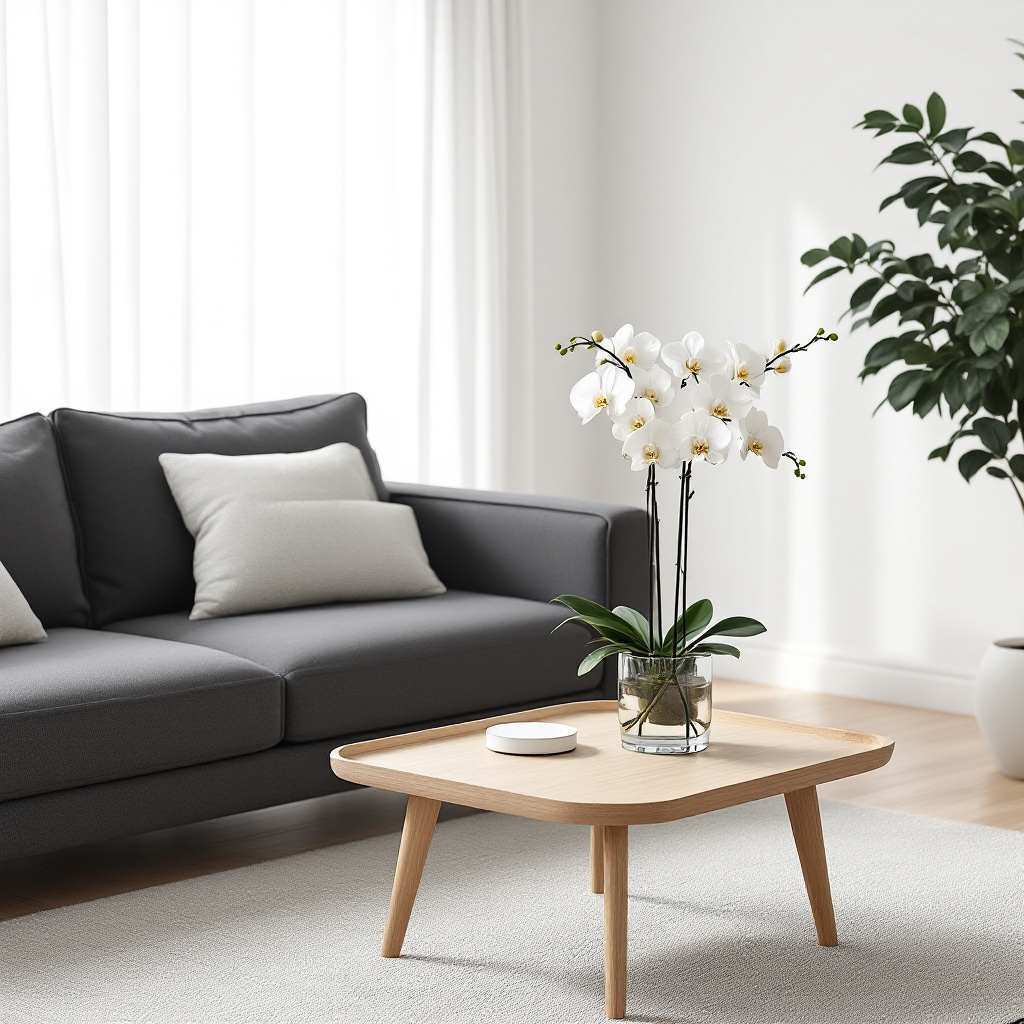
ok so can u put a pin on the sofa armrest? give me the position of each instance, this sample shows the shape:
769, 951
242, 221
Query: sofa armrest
520, 545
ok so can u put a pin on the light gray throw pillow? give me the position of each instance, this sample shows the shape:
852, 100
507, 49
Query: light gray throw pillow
279, 531
18, 623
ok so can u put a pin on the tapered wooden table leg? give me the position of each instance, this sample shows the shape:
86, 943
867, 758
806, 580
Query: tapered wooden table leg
420, 818
805, 820
597, 858
616, 888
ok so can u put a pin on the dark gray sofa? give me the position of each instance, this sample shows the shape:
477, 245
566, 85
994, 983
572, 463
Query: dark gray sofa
129, 717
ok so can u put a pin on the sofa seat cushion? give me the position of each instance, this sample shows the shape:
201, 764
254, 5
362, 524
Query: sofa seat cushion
354, 668
87, 706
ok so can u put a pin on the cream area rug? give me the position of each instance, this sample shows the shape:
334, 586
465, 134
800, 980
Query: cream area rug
930, 915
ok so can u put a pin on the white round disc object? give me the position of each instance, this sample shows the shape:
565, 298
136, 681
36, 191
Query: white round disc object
531, 738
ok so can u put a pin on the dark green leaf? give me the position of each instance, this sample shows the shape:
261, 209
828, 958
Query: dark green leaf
1017, 465
725, 649
882, 353
609, 631
916, 353
822, 276
936, 114
953, 390
998, 399
886, 306
927, 398
953, 141
905, 387
595, 657
857, 247
999, 173
690, 623
971, 462
636, 619
965, 291
999, 474
925, 209
968, 161
956, 217
980, 310
842, 249
864, 293
736, 625
994, 434
915, 153
698, 615
873, 117
989, 137
990, 335
913, 116
813, 256
581, 605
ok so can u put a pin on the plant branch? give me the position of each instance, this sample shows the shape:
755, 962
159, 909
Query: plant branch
577, 341
936, 159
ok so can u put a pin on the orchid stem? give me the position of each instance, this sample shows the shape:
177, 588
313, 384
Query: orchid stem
684, 513
657, 557
650, 560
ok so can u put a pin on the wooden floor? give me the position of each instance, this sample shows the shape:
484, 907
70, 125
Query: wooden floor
940, 768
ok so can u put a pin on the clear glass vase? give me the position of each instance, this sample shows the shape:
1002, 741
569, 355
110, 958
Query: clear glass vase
665, 703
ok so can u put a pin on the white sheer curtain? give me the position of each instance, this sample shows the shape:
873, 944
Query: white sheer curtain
205, 202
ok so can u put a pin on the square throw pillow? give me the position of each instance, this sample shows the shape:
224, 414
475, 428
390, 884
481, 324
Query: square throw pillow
18, 623
302, 528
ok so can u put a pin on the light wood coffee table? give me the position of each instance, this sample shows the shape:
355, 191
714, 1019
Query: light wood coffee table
601, 785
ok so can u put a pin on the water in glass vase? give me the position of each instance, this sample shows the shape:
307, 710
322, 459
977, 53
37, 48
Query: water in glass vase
665, 703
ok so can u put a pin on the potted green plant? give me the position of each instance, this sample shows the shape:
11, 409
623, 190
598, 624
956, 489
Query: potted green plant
957, 334
671, 408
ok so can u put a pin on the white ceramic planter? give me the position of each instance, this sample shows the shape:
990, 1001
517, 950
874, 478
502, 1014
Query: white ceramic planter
999, 703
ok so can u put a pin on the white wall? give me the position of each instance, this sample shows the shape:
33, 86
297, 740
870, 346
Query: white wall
725, 149
562, 43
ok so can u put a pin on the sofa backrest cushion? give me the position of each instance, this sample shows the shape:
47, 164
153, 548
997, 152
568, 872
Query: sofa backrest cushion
137, 554
37, 534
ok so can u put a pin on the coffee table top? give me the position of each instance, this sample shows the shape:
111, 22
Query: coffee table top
600, 783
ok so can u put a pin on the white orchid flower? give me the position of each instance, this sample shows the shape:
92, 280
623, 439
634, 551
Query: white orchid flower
700, 436
638, 411
635, 350
656, 385
746, 366
606, 388
651, 445
758, 437
720, 397
781, 364
693, 356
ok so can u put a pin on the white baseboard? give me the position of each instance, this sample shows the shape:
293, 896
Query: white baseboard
822, 672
